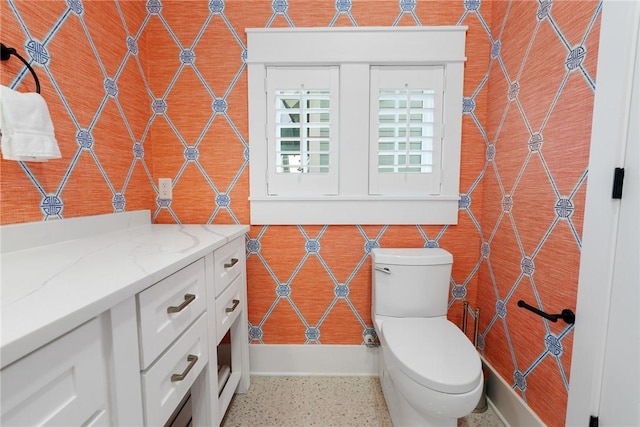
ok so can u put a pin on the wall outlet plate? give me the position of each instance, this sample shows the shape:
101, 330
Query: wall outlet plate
164, 188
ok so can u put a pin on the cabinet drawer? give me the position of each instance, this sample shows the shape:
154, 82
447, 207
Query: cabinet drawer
62, 383
186, 358
168, 308
228, 306
228, 263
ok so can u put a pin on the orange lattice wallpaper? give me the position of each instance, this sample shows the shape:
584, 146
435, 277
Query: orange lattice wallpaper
99, 105
145, 89
541, 88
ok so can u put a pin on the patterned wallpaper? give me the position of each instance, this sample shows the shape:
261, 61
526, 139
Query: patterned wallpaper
145, 89
86, 58
542, 82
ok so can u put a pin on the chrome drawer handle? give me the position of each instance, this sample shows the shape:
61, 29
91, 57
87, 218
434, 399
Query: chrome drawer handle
235, 304
188, 299
233, 262
179, 377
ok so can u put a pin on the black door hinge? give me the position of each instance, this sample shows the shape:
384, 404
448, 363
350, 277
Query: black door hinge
618, 180
593, 421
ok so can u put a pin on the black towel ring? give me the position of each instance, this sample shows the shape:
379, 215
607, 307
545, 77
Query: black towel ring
5, 54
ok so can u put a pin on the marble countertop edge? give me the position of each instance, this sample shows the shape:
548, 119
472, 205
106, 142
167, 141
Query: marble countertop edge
51, 289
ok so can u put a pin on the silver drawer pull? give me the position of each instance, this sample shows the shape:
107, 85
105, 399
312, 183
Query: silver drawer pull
233, 262
188, 299
235, 304
179, 377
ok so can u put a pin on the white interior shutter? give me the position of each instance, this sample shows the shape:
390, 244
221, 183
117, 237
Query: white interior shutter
302, 130
406, 130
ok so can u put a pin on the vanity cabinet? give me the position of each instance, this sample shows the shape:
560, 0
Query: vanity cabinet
172, 310
165, 384
146, 309
63, 383
229, 301
168, 308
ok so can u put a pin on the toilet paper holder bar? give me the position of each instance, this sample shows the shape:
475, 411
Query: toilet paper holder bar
5, 54
566, 315
476, 323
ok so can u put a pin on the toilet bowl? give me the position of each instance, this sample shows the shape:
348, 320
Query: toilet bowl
433, 368
431, 374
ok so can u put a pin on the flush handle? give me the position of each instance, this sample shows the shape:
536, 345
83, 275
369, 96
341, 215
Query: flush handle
384, 270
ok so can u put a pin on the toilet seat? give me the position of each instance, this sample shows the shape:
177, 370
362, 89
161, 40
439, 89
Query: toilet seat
434, 353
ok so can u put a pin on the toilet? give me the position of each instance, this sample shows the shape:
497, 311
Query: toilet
430, 373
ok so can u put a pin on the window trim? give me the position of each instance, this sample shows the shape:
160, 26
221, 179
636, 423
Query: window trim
355, 50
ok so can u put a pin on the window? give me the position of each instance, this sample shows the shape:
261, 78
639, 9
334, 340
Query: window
406, 130
302, 133
347, 125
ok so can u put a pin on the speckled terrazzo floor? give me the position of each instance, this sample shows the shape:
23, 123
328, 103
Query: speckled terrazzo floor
321, 401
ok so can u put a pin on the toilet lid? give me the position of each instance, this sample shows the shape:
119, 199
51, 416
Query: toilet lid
433, 352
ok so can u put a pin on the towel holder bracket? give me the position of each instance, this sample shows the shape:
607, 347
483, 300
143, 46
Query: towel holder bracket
5, 54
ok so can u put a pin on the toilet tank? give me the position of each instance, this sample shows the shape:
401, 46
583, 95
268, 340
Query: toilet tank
410, 282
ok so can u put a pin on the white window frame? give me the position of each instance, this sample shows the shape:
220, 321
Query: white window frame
355, 51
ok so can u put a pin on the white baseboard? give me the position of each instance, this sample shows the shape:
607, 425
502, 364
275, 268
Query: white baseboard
275, 359
510, 407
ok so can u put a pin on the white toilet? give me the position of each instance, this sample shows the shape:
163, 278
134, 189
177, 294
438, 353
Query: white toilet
431, 374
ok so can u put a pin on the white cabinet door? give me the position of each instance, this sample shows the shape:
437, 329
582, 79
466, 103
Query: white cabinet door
229, 262
167, 308
61, 384
168, 380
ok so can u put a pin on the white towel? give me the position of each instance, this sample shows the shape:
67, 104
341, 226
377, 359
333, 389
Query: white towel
26, 127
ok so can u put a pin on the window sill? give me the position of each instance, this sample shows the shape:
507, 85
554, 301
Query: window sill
364, 210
